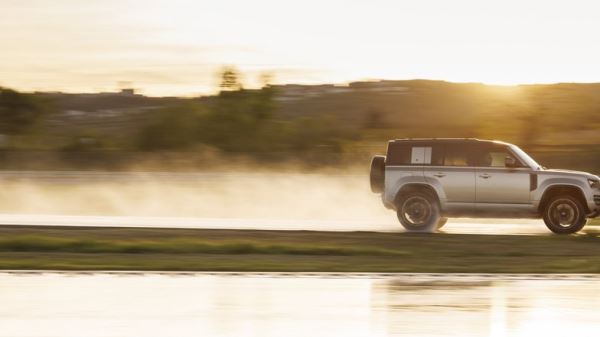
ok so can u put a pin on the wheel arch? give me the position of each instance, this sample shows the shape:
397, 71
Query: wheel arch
414, 187
562, 189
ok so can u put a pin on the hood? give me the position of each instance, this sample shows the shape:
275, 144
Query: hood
569, 173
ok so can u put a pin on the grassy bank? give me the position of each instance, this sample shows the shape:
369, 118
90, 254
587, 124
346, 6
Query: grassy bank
244, 250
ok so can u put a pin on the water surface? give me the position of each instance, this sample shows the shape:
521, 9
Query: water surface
201, 304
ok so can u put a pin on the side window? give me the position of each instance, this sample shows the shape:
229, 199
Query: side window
493, 156
456, 155
402, 154
437, 155
421, 155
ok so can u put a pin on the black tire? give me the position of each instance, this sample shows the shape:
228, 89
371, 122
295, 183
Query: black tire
418, 211
564, 215
377, 175
441, 222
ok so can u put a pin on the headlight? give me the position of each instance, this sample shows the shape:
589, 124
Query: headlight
594, 183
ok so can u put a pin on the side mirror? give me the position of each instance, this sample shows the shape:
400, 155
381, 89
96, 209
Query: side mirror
510, 161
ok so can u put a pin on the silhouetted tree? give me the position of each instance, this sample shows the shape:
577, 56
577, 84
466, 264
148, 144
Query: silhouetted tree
266, 79
230, 80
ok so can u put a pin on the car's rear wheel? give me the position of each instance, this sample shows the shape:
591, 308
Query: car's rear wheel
418, 211
564, 215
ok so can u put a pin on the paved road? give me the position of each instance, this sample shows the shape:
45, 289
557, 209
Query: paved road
454, 226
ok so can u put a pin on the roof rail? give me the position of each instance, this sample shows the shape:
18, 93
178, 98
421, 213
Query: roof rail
425, 139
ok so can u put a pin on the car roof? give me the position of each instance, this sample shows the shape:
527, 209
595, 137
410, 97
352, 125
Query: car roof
448, 140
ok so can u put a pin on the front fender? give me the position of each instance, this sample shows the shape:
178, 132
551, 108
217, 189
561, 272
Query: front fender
548, 183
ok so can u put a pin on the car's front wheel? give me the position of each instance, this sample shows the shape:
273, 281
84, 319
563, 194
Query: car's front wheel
564, 215
418, 211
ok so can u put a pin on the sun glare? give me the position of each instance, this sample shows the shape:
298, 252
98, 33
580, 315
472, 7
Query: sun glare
176, 47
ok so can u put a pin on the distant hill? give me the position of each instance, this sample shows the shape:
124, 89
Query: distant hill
558, 123
565, 112
416, 100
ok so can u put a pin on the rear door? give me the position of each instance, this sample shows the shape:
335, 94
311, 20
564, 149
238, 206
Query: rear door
452, 170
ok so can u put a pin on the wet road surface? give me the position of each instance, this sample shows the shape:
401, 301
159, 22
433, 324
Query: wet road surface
454, 226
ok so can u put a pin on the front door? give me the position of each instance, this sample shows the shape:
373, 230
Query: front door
497, 184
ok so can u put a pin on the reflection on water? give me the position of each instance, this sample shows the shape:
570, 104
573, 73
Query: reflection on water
294, 305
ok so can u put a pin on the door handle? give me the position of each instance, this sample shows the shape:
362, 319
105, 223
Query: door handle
485, 176
439, 175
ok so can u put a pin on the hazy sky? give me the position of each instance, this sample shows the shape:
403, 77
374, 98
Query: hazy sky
175, 47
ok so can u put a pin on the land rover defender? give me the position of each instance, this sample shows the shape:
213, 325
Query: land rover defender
428, 180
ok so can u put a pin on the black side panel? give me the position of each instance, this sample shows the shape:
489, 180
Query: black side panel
533, 181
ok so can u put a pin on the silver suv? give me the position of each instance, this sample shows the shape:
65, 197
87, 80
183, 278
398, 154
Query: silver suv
428, 180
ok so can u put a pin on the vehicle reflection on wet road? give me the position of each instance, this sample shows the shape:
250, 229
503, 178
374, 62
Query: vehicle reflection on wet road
230, 304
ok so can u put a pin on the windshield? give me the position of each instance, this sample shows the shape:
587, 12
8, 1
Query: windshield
525, 157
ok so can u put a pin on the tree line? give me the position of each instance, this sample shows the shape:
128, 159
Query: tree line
239, 120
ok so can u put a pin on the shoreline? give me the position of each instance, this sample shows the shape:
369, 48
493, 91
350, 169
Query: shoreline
223, 250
